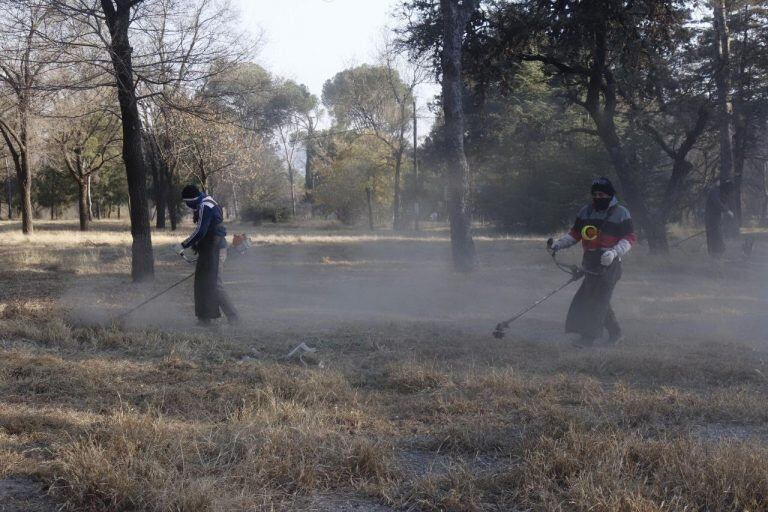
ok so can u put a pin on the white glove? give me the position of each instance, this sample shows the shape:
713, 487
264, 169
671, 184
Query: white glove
178, 249
730, 214
607, 258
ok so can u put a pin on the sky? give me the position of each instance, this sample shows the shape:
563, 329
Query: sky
310, 41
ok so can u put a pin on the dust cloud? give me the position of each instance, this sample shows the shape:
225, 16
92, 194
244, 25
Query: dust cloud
325, 282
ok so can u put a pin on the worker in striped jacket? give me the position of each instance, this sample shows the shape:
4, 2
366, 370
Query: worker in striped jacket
209, 241
606, 233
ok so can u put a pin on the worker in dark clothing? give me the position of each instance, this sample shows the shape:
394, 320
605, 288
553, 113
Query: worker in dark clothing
606, 232
209, 242
717, 206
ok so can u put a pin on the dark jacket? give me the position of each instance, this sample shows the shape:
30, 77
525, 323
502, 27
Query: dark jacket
207, 216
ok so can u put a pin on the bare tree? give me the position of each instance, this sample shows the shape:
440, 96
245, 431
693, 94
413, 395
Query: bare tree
455, 15
412, 73
117, 15
287, 135
85, 142
374, 101
192, 43
26, 56
141, 70
210, 148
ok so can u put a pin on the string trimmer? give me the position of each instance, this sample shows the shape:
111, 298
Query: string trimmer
240, 243
125, 315
574, 271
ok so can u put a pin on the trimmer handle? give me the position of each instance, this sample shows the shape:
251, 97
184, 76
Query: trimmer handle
550, 244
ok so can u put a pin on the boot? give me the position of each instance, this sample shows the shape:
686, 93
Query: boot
615, 337
584, 341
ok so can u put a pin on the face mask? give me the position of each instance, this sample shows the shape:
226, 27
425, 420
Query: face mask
191, 204
602, 203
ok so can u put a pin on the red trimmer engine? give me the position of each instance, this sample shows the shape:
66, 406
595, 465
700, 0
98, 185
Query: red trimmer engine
241, 243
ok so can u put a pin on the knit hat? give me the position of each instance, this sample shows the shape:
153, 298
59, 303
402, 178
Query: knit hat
190, 193
603, 185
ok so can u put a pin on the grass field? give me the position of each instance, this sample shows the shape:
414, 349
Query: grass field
408, 403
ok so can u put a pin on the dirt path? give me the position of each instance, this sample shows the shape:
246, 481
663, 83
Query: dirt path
23, 495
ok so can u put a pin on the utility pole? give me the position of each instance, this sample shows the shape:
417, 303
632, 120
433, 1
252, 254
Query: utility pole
416, 168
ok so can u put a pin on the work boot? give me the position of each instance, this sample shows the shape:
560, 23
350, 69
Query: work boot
583, 341
205, 322
615, 337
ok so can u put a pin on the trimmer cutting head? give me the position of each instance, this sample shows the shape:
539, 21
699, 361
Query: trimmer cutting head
498, 333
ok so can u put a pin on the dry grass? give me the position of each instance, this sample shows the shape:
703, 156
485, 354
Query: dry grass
401, 416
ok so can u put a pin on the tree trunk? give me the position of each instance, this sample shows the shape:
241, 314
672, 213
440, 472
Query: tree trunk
158, 181
417, 183
118, 18
9, 194
455, 14
397, 223
309, 176
25, 190
724, 103
235, 205
161, 201
82, 204
90, 200
173, 216
23, 169
764, 213
293, 191
653, 224
369, 198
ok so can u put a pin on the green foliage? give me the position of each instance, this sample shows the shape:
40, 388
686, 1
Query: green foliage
289, 100
110, 187
244, 91
258, 99
531, 164
53, 189
259, 214
368, 99
357, 163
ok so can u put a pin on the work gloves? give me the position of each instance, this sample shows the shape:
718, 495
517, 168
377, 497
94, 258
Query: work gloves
179, 249
607, 257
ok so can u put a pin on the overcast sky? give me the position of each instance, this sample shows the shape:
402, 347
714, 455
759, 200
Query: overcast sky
309, 41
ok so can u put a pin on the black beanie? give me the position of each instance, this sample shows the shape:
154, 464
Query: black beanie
190, 192
603, 185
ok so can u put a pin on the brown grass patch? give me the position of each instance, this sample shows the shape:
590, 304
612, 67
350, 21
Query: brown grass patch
415, 416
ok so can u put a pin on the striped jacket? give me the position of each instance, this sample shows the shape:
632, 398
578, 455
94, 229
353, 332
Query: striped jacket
602, 230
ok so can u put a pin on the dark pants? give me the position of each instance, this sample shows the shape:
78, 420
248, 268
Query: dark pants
715, 237
210, 297
591, 312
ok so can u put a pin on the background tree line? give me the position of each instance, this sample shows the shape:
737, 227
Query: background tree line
112, 105
666, 97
